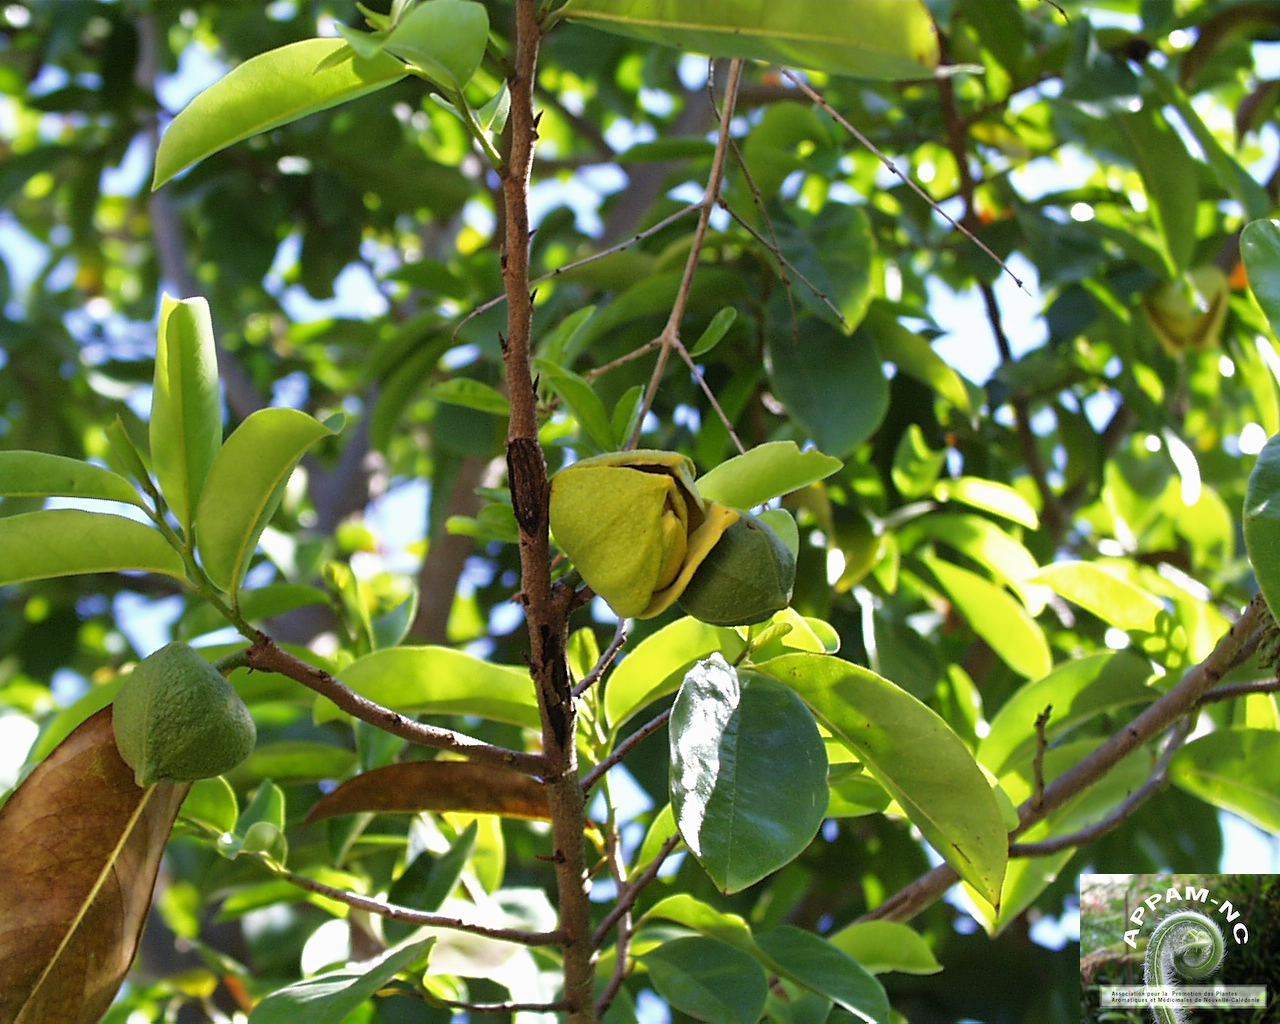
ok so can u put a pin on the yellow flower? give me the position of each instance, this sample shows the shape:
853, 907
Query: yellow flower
635, 527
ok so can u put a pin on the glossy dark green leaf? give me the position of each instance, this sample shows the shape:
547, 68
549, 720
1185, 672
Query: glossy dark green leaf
827, 970
265, 92
764, 472
709, 980
1235, 769
330, 997
1077, 690
69, 542
428, 881
834, 385
913, 753
186, 408
245, 486
835, 252
889, 39
39, 475
748, 772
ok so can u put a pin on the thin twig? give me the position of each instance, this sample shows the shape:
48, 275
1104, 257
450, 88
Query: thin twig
631, 356
624, 748
622, 947
1037, 762
627, 899
266, 656
1155, 782
711, 397
671, 333
606, 659
844, 123
1230, 690
618, 247
1176, 702
418, 917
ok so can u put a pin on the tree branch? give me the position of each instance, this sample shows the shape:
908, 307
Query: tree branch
418, 917
624, 748
1178, 701
1231, 690
627, 898
266, 656
504, 1007
606, 659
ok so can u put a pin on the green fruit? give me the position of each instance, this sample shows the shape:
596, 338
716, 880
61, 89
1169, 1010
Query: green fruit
746, 577
177, 720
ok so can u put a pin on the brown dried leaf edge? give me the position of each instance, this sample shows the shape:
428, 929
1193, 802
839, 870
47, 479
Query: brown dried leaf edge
80, 845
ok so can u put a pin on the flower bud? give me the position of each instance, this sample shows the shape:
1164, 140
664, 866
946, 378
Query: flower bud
635, 527
177, 720
747, 577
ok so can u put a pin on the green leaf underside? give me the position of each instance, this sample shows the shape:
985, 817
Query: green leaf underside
1235, 769
244, 488
914, 754
656, 666
1076, 691
330, 997
439, 681
885, 39
39, 475
766, 471
70, 542
265, 92
748, 773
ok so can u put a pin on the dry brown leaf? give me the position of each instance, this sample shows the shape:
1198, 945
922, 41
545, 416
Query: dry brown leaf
82, 845
414, 786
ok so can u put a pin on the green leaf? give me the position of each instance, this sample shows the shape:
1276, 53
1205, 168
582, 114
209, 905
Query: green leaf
657, 665
662, 828
912, 753
582, 401
255, 605
244, 488
827, 970
625, 414
979, 539
186, 409
260, 827
445, 39
212, 803
834, 385
439, 681
299, 760
990, 496
708, 980
493, 115
560, 346
1235, 769
125, 456
883, 946
887, 39
784, 525
1115, 601
1261, 516
835, 252
1076, 690
69, 542
915, 465
38, 475
1238, 182
716, 924
473, 394
748, 773
996, 617
913, 355
715, 332
428, 881
265, 92
330, 997
1260, 250
766, 471
1170, 179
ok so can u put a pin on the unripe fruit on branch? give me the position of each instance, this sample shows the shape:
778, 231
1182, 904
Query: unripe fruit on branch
635, 527
1177, 322
176, 719
747, 577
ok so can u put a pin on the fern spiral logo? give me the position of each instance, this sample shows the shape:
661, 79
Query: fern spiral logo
1185, 944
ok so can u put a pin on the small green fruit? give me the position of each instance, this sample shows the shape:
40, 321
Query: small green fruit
177, 720
747, 577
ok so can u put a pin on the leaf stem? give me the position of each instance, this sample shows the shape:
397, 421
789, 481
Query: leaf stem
624, 748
